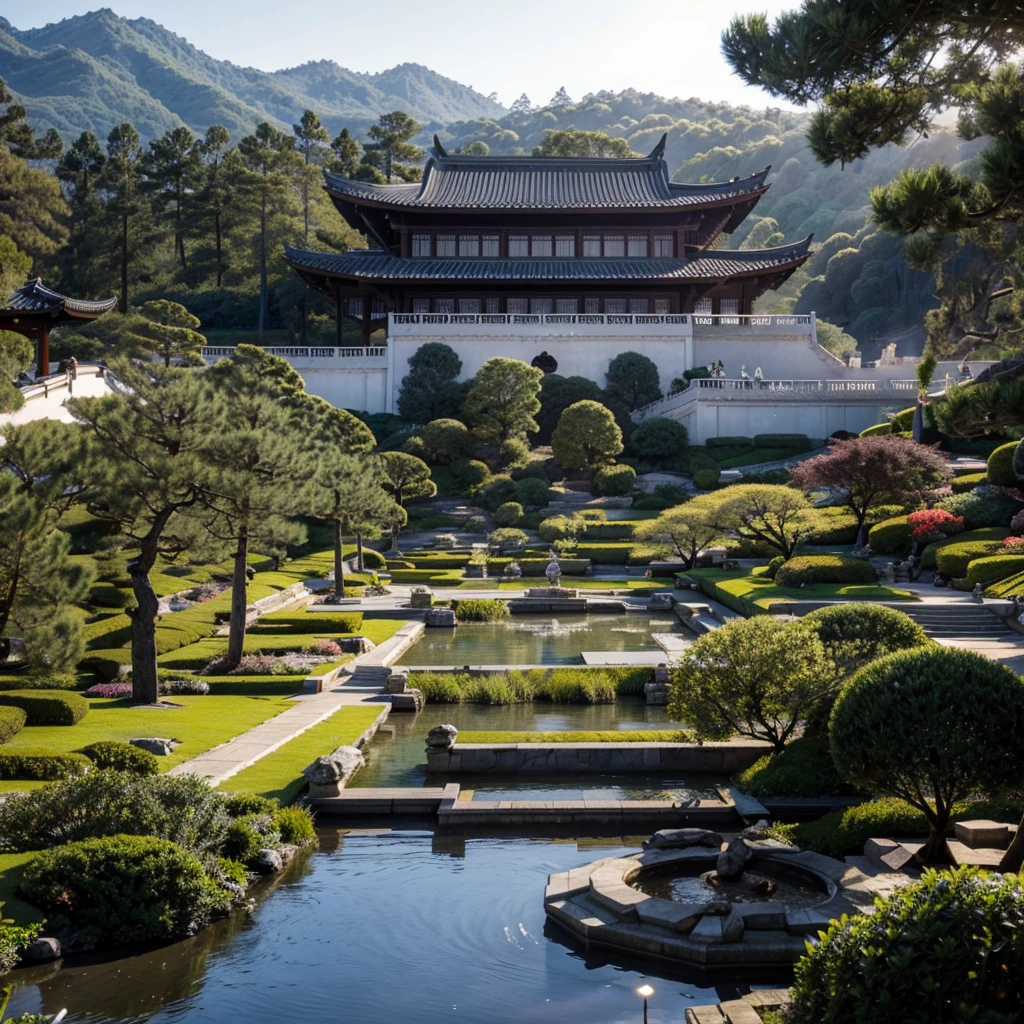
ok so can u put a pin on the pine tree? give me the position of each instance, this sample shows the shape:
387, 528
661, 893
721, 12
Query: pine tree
560, 99
391, 136
121, 180
521, 107
79, 168
173, 170
348, 154
17, 135
216, 194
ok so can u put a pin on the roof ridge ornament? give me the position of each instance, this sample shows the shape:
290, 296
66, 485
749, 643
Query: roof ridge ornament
438, 148
658, 153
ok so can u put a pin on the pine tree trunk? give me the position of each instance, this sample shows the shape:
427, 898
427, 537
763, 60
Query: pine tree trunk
263, 265
239, 602
1013, 859
179, 238
144, 678
359, 551
124, 263
339, 563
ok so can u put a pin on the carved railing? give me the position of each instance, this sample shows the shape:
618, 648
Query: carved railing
752, 320
560, 319
211, 352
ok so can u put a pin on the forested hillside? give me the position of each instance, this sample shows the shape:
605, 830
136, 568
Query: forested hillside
95, 71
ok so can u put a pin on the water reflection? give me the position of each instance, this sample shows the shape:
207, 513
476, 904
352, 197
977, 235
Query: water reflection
379, 926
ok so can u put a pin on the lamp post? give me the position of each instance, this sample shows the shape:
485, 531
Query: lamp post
646, 992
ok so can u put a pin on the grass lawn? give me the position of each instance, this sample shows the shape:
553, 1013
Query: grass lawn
749, 594
379, 630
200, 723
602, 736
279, 775
579, 582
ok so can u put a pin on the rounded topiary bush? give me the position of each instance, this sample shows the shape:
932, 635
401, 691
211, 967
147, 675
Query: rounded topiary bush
707, 479
508, 514
824, 569
615, 481
858, 632
122, 757
946, 948
1000, 466
498, 490
891, 536
659, 439
123, 889
774, 566
994, 567
938, 721
532, 492
373, 559
954, 558
469, 474
12, 721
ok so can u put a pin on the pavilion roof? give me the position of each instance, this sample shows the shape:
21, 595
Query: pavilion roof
380, 265
545, 183
35, 297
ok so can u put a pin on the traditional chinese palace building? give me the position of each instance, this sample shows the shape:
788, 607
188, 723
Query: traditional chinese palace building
566, 263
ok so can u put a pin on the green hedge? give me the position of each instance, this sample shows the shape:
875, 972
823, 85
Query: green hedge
977, 544
994, 567
41, 764
309, 622
605, 554
621, 530
878, 428
102, 595
730, 442
12, 721
536, 566
1000, 466
824, 569
968, 481
797, 443
1007, 587
891, 536
47, 707
122, 757
105, 664
836, 526
803, 768
707, 479
439, 561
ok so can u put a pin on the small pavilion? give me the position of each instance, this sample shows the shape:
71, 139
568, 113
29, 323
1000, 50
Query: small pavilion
33, 310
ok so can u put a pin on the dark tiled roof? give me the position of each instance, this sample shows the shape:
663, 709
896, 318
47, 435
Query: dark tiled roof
35, 297
544, 183
376, 264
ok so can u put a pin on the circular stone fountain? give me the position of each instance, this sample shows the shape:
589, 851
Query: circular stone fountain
665, 903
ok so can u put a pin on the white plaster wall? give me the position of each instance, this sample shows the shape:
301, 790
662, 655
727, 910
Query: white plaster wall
363, 389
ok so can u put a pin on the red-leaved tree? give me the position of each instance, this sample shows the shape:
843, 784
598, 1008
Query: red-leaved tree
866, 472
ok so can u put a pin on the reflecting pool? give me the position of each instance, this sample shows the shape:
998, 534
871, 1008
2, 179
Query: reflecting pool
397, 926
540, 639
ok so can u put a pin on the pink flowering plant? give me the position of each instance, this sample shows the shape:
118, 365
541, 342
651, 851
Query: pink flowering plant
1015, 545
327, 646
110, 690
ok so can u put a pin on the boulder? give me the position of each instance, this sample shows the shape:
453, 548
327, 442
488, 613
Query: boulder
682, 838
397, 682
156, 745
887, 854
442, 737
759, 830
43, 948
732, 860
327, 775
268, 862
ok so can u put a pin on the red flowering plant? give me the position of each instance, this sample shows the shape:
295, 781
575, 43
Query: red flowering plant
933, 524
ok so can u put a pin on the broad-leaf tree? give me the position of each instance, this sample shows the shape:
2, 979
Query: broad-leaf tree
679, 533
147, 443
866, 472
587, 437
771, 513
503, 400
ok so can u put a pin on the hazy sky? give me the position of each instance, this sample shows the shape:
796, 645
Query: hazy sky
531, 46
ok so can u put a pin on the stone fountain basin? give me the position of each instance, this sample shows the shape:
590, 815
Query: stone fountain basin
597, 904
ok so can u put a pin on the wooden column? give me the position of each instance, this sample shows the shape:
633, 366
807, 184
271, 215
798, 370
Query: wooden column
43, 351
338, 314
367, 314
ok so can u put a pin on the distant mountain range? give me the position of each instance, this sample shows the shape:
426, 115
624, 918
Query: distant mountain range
98, 69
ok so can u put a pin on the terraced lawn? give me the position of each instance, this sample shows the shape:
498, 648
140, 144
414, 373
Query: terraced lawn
279, 775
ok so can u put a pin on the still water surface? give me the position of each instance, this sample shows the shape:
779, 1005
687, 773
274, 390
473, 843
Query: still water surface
400, 926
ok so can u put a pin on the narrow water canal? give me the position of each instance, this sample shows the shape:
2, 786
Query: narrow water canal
398, 926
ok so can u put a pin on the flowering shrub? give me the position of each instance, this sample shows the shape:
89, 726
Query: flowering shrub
180, 687
260, 664
110, 690
206, 592
931, 524
327, 646
1015, 544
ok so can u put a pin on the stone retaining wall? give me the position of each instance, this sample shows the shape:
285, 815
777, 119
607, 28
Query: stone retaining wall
512, 758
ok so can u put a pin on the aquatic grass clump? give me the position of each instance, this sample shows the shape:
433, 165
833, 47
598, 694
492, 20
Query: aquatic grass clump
522, 686
577, 736
578, 687
480, 609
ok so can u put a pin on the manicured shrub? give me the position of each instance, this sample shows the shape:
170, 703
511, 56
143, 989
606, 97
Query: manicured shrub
1000, 466
39, 681
877, 429
981, 510
508, 514
311, 622
413, 445
295, 826
480, 609
693, 459
446, 440
561, 528
855, 633
122, 757
475, 524
891, 536
606, 554
12, 721
124, 889
730, 442
469, 474
181, 808
947, 947
968, 481
40, 763
774, 566
372, 560
659, 439
507, 537
797, 443
513, 454
498, 490
532, 492
804, 768
936, 721
806, 569
994, 567
103, 595
954, 558
239, 805
707, 479
615, 481
47, 707
902, 421
834, 525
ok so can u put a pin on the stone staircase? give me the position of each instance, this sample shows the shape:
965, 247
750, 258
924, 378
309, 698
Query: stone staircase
958, 621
